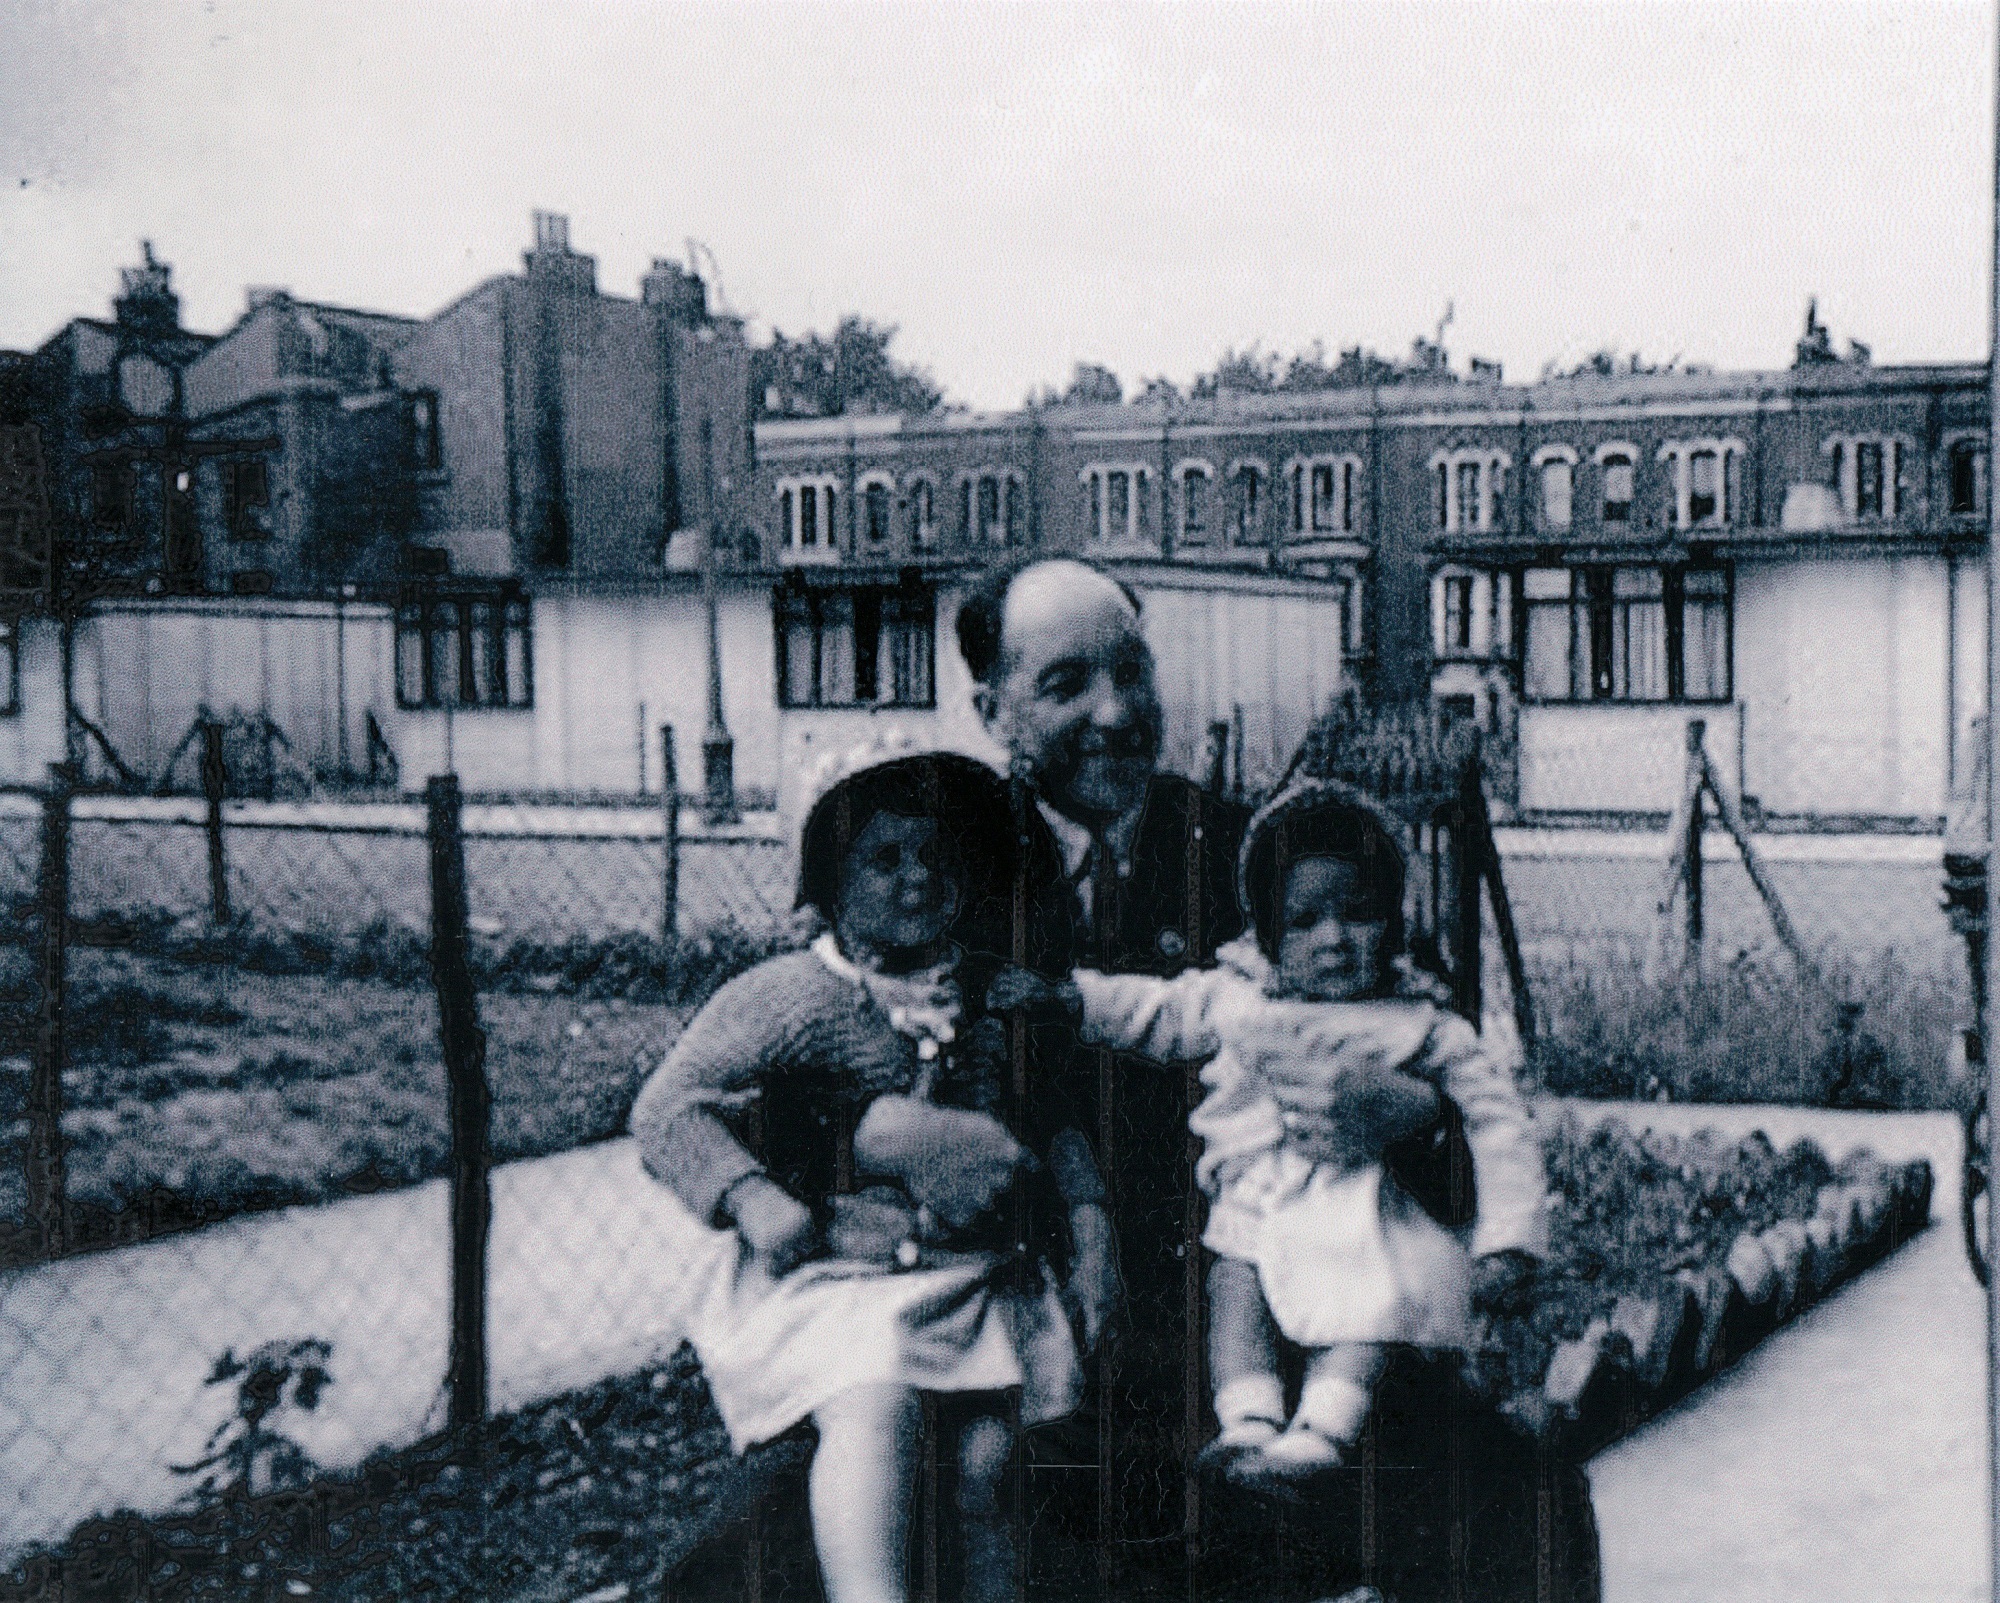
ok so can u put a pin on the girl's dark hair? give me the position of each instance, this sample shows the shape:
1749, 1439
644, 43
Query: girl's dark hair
975, 820
1330, 827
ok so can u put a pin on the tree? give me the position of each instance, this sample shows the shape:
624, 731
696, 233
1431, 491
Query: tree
1094, 385
850, 370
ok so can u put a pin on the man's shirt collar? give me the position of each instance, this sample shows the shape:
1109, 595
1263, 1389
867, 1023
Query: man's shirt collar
1075, 840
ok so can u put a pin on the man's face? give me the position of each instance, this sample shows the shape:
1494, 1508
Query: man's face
1073, 698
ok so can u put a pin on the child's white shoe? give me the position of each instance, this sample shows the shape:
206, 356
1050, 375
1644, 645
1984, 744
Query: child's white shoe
1298, 1454
1239, 1439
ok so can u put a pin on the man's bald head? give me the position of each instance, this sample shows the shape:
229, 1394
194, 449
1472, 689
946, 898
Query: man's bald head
1066, 684
984, 614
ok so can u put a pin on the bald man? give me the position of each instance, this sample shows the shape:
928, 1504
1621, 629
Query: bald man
1064, 681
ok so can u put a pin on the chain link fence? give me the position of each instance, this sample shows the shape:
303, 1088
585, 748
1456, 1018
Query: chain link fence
319, 1193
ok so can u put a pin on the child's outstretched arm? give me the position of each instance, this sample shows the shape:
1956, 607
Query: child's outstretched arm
1171, 1021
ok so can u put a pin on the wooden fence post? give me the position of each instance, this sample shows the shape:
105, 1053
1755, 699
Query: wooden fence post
1468, 876
670, 851
1697, 822
465, 1074
47, 1181
214, 780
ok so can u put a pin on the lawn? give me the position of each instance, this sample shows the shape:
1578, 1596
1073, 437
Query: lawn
197, 1090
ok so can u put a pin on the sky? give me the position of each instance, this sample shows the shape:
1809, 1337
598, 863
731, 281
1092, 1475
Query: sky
1021, 187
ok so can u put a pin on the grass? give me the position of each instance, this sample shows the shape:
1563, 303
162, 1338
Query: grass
1739, 1033
197, 1089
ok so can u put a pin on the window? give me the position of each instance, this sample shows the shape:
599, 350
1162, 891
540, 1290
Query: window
1323, 494
1868, 479
1868, 474
1114, 498
992, 507
464, 648
1457, 631
923, 512
1469, 486
1194, 479
1967, 473
1618, 484
875, 512
1246, 510
1702, 474
1707, 495
246, 489
426, 440
1558, 487
806, 516
1472, 614
111, 496
862, 647
1633, 634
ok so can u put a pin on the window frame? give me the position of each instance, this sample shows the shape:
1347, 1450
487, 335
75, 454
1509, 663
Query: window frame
1188, 529
872, 613
1969, 450
794, 493
1246, 514
1542, 463
238, 507
920, 501
1489, 468
501, 613
1594, 610
1095, 480
1608, 458
876, 490
425, 439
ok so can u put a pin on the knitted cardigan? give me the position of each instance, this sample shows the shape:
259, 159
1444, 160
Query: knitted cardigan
776, 1070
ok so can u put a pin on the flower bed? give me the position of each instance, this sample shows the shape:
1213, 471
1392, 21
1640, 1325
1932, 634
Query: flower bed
1670, 1259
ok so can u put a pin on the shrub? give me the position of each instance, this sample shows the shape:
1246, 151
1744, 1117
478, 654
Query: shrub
1618, 1028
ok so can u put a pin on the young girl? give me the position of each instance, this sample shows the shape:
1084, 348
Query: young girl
847, 1118
1322, 1247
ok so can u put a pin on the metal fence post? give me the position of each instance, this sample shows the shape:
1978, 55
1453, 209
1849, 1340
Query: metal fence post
670, 867
465, 1074
214, 780
47, 1185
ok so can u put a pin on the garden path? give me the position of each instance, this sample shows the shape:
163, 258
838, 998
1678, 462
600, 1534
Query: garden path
104, 1357
1846, 1457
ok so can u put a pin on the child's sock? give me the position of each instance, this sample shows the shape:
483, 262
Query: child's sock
1334, 1406
1251, 1410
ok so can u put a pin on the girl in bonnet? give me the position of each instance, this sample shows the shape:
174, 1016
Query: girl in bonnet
892, 1207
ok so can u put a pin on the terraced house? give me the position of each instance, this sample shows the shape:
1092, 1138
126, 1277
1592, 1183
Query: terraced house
1580, 564
494, 538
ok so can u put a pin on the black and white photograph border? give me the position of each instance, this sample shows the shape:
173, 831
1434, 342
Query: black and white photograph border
903, 802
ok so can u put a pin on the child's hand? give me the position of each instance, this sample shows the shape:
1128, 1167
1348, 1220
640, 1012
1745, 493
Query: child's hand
1044, 1000
955, 1162
777, 1226
1502, 1281
875, 1226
